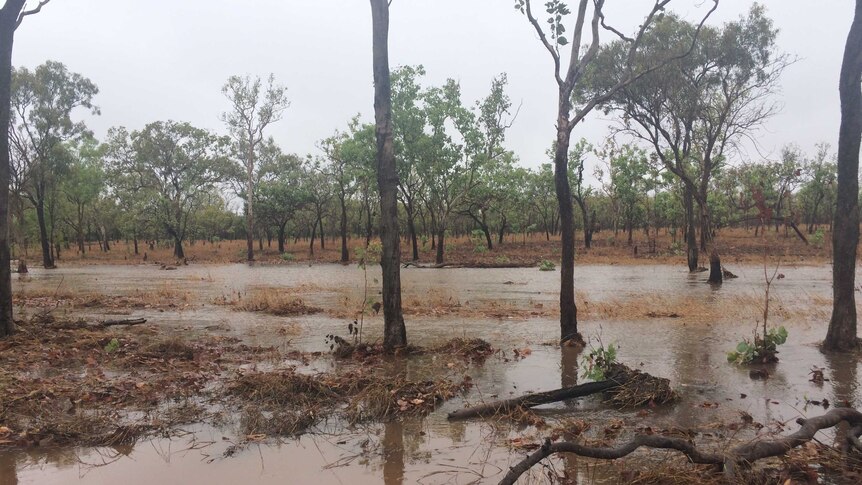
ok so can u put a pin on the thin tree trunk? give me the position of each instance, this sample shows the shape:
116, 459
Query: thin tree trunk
178, 248
842, 333
47, 261
345, 255
441, 235
414, 244
568, 309
394, 330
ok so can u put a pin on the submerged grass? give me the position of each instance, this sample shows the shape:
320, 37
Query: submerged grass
270, 300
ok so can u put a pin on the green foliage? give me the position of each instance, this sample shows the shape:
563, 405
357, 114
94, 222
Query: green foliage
287, 257
502, 259
761, 350
112, 346
547, 265
817, 238
598, 361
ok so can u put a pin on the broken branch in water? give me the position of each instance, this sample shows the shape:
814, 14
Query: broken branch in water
730, 461
126, 321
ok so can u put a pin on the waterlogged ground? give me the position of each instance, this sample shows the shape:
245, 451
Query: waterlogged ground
665, 321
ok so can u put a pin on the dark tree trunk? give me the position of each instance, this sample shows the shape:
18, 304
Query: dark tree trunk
690, 231
345, 255
178, 248
715, 275
441, 235
322, 236
705, 225
280, 237
394, 331
568, 309
501, 232
313, 234
411, 226
842, 333
47, 260
249, 215
8, 17
134, 241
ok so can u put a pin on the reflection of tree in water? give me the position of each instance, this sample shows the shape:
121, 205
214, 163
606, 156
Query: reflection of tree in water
842, 370
393, 453
569, 377
11, 462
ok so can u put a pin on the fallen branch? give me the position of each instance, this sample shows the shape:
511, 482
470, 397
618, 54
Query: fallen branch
126, 321
530, 400
731, 461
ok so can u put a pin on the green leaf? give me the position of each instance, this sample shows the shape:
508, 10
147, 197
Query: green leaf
562, 40
743, 347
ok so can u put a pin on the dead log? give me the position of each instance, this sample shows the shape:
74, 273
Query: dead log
627, 388
730, 461
531, 400
125, 321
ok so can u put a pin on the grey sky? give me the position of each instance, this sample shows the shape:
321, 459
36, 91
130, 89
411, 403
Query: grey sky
167, 59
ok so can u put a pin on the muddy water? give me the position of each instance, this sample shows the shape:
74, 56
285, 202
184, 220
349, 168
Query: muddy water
690, 353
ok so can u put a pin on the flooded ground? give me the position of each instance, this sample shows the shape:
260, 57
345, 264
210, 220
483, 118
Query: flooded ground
686, 343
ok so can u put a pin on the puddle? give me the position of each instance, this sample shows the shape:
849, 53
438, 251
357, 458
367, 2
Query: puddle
432, 450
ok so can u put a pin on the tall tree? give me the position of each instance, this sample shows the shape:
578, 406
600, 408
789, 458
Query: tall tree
42, 104
394, 331
251, 112
567, 78
11, 15
177, 165
842, 333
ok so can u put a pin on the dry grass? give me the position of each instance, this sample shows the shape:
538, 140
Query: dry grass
274, 301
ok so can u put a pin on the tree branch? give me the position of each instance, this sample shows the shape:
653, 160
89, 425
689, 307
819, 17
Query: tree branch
32, 11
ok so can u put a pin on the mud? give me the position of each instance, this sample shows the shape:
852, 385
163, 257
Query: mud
513, 309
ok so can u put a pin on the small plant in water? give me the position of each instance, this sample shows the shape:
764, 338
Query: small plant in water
761, 350
546, 265
598, 361
112, 346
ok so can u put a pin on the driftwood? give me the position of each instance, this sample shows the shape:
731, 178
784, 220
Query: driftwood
530, 400
730, 461
125, 321
627, 388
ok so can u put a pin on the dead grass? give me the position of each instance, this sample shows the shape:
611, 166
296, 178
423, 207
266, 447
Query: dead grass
273, 301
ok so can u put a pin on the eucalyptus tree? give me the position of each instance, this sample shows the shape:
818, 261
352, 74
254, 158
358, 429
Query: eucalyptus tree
582, 192
450, 168
359, 151
542, 198
82, 187
842, 333
411, 143
282, 191
252, 111
175, 166
321, 191
817, 194
627, 167
568, 75
394, 331
43, 101
694, 110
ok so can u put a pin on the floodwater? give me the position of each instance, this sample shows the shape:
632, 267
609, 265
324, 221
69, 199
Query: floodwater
432, 450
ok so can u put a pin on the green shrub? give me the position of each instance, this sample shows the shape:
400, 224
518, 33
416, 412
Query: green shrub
598, 361
287, 257
546, 265
112, 346
761, 350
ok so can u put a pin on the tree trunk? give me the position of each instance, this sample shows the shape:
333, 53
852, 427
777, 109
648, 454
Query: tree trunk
345, 255
249, 210
705, 225
441, 235
8, 18
313, 234
134, 241
568, 309
322, 236
47, 261
716, 277
280, 237
394, 331
411, 226
690, 232
178, 248
842, 333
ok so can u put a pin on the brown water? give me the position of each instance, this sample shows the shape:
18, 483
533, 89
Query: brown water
432, 450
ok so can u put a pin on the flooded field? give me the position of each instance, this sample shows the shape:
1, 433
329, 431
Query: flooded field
666, 322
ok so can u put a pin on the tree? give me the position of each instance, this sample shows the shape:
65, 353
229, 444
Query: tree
82, 186
394, 331
693, 110
42, 104
567, 79
11, 15
175, 165
252, 111
845, 235
282, 190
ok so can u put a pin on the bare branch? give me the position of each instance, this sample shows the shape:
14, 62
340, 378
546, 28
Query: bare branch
32, 11
554, 54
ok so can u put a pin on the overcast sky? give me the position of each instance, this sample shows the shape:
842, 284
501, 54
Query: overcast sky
167, 59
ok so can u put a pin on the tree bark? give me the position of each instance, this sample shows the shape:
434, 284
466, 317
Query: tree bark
411, 226
178, 247
394, 330
842, 334
531, 400
345, 254
8, 18
441, 235
47, 260
690, 232
716, 276
568, 309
